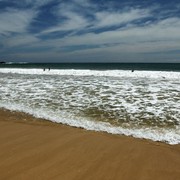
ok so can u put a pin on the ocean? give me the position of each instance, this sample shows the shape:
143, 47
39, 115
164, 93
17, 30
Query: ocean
139, 100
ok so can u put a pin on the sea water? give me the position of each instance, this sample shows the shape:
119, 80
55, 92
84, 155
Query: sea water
142, 104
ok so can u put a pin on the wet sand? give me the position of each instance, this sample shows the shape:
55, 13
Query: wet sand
31, 148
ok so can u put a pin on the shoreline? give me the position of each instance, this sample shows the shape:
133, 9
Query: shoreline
32, 148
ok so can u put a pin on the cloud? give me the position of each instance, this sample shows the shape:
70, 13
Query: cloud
70, 16
21, 40
84, 29
38, 3
73, 22
13, 20
32, 3
106, 18
72, 19
134, 43
164, 30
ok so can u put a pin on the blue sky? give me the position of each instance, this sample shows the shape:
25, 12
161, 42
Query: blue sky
90, 30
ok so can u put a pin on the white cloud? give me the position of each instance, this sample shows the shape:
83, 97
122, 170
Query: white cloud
21, 40
106, 19
74, 22
165, 30
38, 3
15, 21
84, 3
34, 3
128, 42
160, 37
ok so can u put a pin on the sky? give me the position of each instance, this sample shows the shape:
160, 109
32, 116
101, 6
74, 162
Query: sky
90, 30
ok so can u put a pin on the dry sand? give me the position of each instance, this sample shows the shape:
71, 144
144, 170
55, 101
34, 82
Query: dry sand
33, 149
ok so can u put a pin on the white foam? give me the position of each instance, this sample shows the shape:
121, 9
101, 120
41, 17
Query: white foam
63, 96
168, 136
114, 73
16, 62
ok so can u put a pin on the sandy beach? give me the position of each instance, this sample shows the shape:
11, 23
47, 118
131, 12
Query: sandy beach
31, 148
